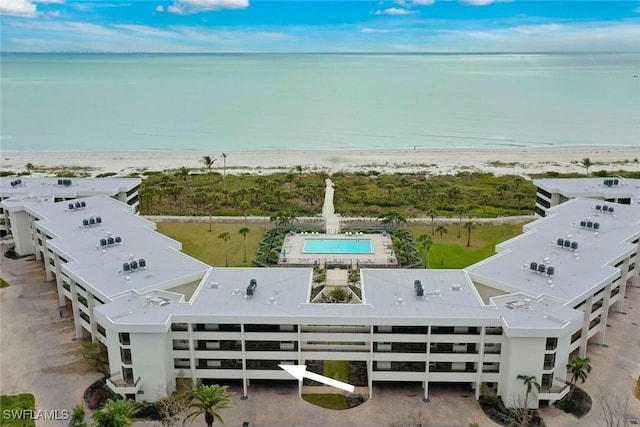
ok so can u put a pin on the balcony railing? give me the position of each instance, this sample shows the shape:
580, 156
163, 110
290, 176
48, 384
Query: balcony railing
557, 391
121, 386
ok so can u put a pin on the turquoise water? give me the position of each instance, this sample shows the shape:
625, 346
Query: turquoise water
337, 246
316, 101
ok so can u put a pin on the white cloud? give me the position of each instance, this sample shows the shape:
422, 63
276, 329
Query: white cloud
477, 2
367, 30
25, 8
91, 5
190, 7
409, 3
637, 10
393, 11
17, 8
160, 9
483, 2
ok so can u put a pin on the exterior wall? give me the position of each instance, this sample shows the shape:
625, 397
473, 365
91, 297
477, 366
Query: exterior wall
151, 363
21, 231
521, 356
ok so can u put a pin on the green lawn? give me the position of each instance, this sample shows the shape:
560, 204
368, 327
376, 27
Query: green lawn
3, 283
337, 369
329, 401
204, 245
16, 403
454, 250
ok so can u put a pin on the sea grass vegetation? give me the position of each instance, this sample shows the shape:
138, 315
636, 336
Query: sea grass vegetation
187, 192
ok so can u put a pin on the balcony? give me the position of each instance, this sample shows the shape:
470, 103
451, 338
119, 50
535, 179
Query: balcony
557, 391
121, 386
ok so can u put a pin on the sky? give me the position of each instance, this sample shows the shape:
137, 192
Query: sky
319, 26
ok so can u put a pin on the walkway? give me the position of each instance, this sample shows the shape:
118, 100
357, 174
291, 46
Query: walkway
332, 222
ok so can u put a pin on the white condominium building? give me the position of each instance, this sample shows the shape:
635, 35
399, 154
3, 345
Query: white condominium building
165, 316
553, 191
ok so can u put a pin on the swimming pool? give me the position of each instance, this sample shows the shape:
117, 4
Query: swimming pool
337, 246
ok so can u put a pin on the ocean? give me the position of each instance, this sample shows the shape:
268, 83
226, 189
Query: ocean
103, 102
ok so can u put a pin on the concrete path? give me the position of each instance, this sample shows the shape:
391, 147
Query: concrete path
332, 222
37, 354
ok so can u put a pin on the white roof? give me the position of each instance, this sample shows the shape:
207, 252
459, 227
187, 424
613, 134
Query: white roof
577, 272
101, 267
592, 187
79, 187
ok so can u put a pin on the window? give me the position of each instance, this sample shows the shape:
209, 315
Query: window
101, 330
383, 365
125, 355
552, 343
544, 192
127, 375
181, 344
125, 339
179, 326
181, 363
549, 361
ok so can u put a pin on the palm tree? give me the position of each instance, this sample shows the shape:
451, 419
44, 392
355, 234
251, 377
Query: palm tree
29, 167
432, 212
117, 413
183, 172
425, 241
460, 210
244, 205
579, 367
586, 162
442, 230
501, 189
393, 218
398, 244
529, 381
77, 418
485, 198
208, 162
519, 196
214, 199
226, 237
244, 231
469, 226
208, 400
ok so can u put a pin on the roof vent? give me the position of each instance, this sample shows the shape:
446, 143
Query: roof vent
272, 300
456, 287
214, 285
399, 301
527, 304
417, 286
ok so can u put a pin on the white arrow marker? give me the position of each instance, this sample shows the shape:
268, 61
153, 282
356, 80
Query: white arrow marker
300, 372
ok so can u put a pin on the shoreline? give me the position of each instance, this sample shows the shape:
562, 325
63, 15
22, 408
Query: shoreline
437, 161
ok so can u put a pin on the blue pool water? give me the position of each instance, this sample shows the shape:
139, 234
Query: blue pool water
337, 246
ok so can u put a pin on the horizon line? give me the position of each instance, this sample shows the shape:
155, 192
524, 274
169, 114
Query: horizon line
488, 52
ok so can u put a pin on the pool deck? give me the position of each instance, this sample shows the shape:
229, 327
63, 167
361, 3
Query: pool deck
293, 248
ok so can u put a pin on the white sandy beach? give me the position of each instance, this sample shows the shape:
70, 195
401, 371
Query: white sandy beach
517, 160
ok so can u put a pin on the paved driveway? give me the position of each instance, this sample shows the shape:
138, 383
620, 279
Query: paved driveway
37, 354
